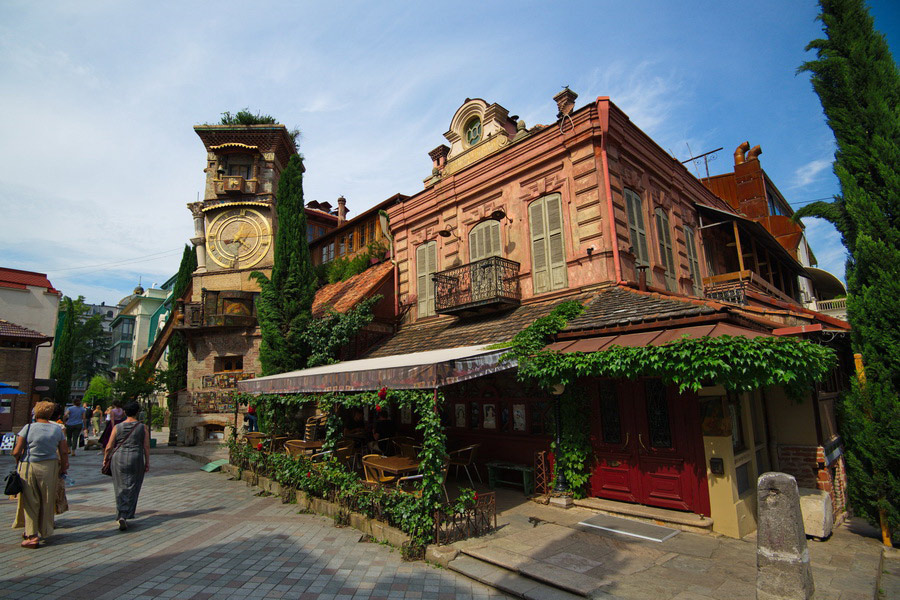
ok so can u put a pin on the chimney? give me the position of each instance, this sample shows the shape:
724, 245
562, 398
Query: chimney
342, 210
754, 153
740, 153
439, 158
565, 100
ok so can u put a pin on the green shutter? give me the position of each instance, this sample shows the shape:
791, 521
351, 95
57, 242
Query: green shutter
426, 266
665, 248
558, 276
636, 229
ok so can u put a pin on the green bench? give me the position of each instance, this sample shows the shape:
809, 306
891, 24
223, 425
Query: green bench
495, 468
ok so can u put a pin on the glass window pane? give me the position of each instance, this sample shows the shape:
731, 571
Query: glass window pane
658, 414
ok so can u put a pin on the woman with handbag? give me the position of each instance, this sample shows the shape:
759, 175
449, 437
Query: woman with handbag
127, 458
42, 456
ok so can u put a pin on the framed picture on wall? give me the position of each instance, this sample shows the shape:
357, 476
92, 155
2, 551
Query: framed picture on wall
490, 416
460, 415
406, 415
518, 417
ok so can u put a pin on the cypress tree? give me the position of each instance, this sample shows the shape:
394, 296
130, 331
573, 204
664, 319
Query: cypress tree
858, 84
284, 306
63, 360
176, 376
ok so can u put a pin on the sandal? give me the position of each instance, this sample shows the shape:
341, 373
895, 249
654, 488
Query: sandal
31, 542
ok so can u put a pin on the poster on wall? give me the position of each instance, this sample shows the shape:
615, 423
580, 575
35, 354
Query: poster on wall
460, 415
406, 415
518, 417
490, 417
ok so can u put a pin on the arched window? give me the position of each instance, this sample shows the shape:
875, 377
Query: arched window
690, 240
426, 266
634, 208
666, 259
484, 240
548, 252
473, 131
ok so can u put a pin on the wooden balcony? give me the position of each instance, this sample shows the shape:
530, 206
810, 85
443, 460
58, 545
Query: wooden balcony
482, 286
733, 287
234, 184
220, 309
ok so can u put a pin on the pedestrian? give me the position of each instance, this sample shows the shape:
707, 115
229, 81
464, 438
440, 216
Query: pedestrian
253, 424
95, 420
114, 416
74, 421
128, 452
42, 457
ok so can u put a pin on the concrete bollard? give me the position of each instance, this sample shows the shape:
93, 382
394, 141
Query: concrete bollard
782, 558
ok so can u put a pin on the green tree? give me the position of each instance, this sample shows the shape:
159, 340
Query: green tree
90, 345
61, 368
858, 84
137, 383
284, 307
175, 377
99, 391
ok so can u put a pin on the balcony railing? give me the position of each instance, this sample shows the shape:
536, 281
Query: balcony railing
221, 309
488, 284
733, 287
836, 305
235, 184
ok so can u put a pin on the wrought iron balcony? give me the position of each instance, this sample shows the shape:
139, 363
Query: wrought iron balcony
481, 286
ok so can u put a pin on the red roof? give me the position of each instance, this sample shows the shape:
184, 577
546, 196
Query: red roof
11, 330
344, 295
14, 278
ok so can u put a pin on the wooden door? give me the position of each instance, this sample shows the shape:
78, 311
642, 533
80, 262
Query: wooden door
654, 456
615, 443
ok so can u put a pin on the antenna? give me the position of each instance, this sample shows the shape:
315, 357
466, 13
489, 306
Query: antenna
707, 158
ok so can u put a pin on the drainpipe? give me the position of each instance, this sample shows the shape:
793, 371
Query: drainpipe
603, 113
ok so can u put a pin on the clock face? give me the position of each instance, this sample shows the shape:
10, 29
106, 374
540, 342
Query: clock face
238, 238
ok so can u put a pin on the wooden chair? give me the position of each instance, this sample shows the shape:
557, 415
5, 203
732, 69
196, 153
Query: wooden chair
374, 474
311, 430
407, 485
410, 451
465, 458
346, 457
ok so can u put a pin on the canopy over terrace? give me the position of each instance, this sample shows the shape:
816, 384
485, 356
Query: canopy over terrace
419, 370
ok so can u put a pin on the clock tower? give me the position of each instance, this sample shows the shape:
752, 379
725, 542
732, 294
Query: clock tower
233, 236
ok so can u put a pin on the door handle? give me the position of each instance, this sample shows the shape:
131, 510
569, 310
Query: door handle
641, 442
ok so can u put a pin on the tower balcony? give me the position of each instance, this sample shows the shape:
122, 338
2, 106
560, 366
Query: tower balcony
224, 308
234, 184
486, 285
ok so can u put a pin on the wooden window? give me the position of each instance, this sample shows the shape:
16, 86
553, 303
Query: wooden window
690, 240
484, 240
342, 246
548, 252
350, 242
664, 235
371, 228
225, 364
634, 208
426, 266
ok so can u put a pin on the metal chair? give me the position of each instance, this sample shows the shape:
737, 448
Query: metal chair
294, 448
374, 474
404, 484
465, 458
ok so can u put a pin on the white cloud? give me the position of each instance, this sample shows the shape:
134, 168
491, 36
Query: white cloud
808, 173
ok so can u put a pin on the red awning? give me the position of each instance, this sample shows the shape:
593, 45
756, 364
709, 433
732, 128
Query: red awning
652, 338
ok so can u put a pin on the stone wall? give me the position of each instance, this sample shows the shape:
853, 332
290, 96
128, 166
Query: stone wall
808, 466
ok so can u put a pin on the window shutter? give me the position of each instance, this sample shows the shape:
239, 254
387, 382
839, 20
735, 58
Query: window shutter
492, 234
426, 265
693, 262
476, 247
636, 229
558, 277
539, 269
665, 247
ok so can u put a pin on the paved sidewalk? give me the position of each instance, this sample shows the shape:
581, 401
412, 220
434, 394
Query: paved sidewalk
200, 536
547, 542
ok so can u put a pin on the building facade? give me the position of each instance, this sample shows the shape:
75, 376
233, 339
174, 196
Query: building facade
19, 348
29, 300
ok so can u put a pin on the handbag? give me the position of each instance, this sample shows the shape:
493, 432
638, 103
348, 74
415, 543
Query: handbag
106, 469
14, 483
62, 503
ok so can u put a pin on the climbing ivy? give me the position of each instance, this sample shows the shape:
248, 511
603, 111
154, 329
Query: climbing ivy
575, 454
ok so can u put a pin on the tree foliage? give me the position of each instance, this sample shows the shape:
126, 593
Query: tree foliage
858, 84
62, 366
329, 332
176, 378
99, 391
284, 307
90, 343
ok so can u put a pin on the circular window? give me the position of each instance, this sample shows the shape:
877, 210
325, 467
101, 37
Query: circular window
473, 131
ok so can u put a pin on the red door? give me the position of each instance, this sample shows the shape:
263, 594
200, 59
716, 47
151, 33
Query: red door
657, 458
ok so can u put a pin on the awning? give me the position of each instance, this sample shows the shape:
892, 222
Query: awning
652, 338
419, 370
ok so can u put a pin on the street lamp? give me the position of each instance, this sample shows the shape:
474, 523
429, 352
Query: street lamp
561, 484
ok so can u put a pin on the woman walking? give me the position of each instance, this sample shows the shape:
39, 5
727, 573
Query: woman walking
114, 416
42, 456
96, 417
128, 452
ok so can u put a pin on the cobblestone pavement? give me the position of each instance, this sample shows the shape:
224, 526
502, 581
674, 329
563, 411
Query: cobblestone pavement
199, 535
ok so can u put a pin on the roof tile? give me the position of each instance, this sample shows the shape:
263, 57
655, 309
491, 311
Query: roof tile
344, 295
14, 278
11, 330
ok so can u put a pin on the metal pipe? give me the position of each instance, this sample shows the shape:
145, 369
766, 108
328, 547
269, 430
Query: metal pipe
739, 153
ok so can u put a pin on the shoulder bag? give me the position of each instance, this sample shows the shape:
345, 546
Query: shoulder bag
106, 469
14, 483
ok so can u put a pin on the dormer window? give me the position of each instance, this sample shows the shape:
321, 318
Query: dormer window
242, 170
473, 131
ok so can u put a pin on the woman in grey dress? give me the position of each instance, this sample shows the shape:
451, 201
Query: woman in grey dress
130, 448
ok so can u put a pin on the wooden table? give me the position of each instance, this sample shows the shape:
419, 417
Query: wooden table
317, 445
395, 465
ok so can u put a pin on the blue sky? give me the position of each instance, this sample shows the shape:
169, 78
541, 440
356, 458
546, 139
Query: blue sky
97, 102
